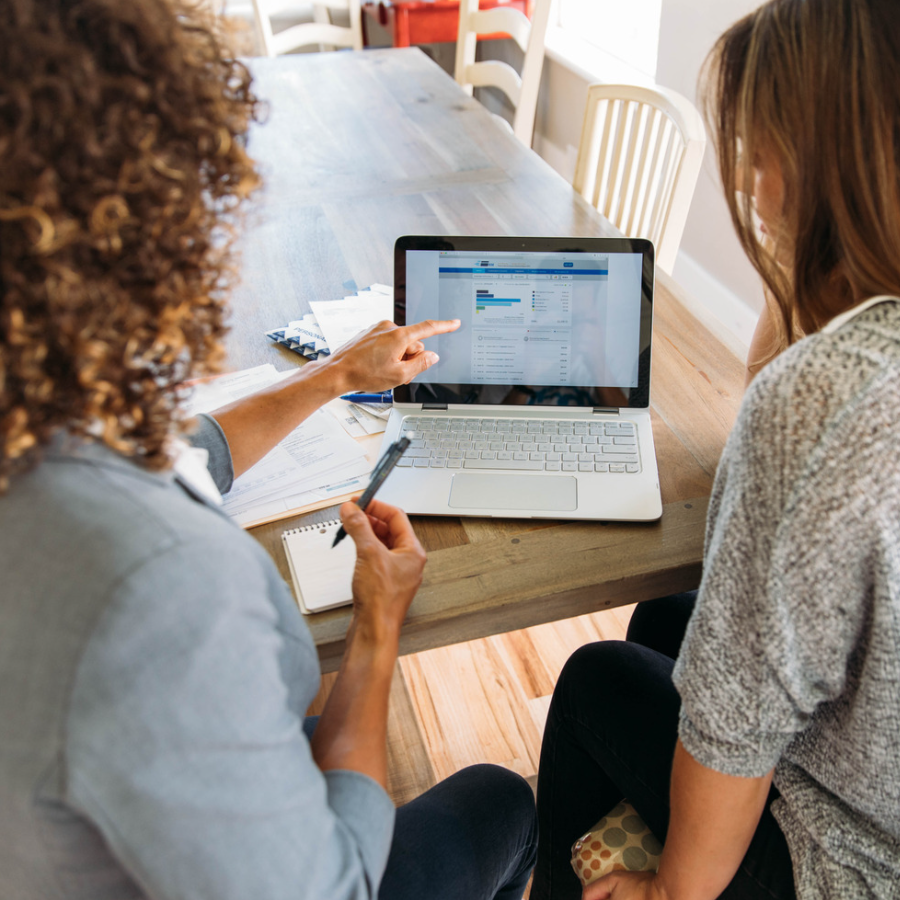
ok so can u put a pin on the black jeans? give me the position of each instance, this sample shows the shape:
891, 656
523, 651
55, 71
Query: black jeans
472, 836
611, 733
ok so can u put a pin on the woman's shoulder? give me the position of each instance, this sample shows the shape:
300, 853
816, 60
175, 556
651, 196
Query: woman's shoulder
826, 374
814, 419
86, 516
871, 335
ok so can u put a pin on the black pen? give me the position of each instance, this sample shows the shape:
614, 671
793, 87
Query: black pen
381, 471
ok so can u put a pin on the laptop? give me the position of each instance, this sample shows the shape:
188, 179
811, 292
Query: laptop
539, 404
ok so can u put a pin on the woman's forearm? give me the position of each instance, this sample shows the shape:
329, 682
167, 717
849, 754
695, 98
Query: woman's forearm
376, 360
712, 821
352, 731
255, 424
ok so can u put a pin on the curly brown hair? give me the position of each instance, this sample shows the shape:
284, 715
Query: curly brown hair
122, 169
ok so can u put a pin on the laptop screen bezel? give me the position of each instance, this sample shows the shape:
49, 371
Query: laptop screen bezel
638, 397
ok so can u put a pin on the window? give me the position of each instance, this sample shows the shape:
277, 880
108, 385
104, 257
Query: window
625, 30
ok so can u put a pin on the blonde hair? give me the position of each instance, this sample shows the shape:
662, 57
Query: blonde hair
817, 83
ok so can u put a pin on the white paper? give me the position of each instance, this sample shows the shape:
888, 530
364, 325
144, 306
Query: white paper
278, 506
371, 424
206, 396
342, 320
379, 410
314, 454
316, 460
348, 421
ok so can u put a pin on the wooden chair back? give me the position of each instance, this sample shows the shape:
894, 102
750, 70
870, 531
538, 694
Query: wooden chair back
522, 90
321, 31
638, 161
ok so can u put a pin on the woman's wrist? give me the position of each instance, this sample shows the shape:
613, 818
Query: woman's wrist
325, 378
333, 373
662, 887
375, 632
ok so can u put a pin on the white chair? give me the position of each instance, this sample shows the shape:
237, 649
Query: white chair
521, 90
320, 31
638, 161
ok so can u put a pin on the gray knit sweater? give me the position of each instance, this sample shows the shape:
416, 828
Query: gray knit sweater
792, 658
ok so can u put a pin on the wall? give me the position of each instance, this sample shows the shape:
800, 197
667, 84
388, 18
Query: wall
710, 253
711, 264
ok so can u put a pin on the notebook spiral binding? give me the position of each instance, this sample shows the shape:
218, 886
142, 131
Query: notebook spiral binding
319, 526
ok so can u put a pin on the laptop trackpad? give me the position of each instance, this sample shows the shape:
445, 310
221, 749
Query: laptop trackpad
494, 491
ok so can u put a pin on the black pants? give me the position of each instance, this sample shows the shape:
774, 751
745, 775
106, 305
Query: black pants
473, 836
611, 733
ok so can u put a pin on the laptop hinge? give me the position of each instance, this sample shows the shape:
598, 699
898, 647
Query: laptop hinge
434, 406
606, 410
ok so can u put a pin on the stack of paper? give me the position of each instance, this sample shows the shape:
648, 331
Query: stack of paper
303, 336
360, 419
341, 320
315, 462
334, 322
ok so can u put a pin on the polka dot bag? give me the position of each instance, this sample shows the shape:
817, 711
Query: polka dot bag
620, 840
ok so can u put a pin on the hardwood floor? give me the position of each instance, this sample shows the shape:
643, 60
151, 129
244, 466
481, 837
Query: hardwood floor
482, 701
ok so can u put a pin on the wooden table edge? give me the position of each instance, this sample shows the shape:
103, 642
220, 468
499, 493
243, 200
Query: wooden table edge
618, 588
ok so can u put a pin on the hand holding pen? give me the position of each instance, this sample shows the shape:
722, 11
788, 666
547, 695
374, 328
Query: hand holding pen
381, 471
388, 571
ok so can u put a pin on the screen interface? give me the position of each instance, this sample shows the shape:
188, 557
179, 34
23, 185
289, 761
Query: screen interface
555, 328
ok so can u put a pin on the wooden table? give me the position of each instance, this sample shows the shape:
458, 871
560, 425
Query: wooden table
428, 21
362, 147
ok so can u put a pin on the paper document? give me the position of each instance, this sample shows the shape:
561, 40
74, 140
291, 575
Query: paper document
290, 504
359, 419
371, 423
303, 336
317, 460
316, 453
341, 320
305, 330
348, 421
212, 393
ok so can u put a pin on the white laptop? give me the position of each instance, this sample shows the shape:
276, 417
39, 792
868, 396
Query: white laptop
538, 407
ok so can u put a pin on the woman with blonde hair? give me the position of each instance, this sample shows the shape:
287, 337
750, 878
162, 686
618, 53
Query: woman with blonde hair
756, 727
154, 668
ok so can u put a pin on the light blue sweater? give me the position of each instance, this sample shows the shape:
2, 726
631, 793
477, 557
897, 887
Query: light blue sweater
154, 674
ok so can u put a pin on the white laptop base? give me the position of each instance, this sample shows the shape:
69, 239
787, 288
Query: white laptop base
571, 463
538, 404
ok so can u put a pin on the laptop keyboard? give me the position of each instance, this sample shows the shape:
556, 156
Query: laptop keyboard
536, 445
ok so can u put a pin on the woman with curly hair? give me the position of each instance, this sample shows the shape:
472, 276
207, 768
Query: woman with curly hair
767, 757
154, 669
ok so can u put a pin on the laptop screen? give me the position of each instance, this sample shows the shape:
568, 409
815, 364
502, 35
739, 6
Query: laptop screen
545, 321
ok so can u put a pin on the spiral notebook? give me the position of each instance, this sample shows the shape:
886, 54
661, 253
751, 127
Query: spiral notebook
322, 574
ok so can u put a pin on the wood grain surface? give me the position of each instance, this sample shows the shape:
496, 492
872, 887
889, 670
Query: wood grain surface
361, 147
482, 701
